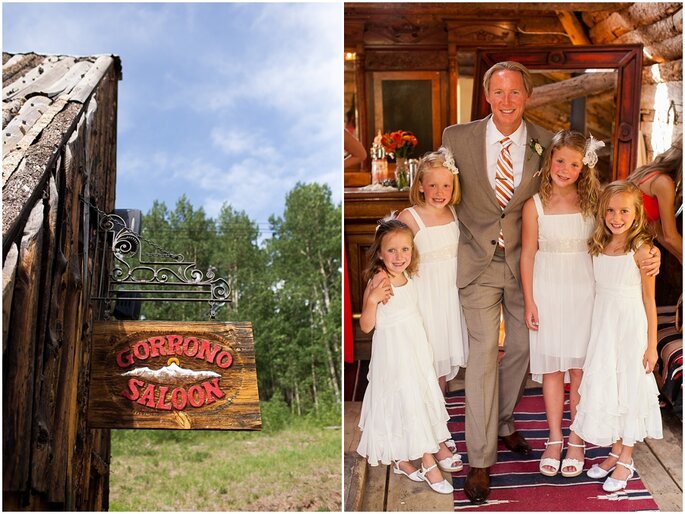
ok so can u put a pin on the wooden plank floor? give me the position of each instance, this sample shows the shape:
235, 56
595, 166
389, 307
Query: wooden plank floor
658, 462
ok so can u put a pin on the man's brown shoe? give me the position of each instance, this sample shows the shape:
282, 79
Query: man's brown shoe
477, 485
515, 442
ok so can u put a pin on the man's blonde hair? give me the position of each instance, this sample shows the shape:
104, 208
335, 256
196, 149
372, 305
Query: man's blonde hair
511, 66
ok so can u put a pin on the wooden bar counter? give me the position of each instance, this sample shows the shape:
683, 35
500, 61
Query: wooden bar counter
362, 210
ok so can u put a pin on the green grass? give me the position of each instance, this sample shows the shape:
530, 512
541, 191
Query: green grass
294, 468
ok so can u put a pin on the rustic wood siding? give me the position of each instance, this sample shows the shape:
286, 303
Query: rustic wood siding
59, 157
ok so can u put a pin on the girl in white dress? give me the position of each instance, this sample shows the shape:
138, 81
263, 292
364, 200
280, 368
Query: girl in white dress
619, 402
403, 414
433, 221
558, 285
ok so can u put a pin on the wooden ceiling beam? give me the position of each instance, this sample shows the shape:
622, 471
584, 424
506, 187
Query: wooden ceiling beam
582, 85
625, 20
574, 28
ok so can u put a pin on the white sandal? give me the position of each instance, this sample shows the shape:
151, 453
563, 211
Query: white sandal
451, 464
598, 472
442, 487
576, 464
399, 471
549, 461
451, 445
611, 485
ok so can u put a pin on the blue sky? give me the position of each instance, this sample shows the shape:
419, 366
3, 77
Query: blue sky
223, 102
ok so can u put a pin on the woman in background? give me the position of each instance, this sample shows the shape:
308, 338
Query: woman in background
662, 193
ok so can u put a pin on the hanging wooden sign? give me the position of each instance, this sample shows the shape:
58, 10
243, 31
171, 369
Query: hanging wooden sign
161, 374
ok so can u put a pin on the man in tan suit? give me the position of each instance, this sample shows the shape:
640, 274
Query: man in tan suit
489, 255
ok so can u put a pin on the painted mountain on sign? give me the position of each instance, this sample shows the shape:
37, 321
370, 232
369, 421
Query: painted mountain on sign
171, 374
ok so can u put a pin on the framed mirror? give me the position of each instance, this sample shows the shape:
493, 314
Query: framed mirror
582, 87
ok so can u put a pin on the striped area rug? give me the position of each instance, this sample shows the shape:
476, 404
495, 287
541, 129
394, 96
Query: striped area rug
517, 485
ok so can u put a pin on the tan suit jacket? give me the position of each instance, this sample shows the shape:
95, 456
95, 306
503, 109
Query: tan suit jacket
479, 213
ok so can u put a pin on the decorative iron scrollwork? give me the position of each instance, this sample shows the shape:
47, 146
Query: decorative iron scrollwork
142, 270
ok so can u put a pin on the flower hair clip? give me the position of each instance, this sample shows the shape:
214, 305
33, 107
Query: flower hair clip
385, 219
591, 147
450, 164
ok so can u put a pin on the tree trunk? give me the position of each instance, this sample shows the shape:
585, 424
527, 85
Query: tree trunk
314, 392
575, 87
297, 400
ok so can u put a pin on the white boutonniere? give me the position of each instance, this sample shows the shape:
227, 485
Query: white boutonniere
536, 147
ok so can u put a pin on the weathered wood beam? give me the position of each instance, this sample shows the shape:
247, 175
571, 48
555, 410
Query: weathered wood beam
646, 13
574, 28
44, 418
665, 50
9, 270
19, 360
663, 72
626, 20
575, 87
649, 34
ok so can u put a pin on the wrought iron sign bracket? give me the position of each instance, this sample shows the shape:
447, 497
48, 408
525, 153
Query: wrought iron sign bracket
140, 270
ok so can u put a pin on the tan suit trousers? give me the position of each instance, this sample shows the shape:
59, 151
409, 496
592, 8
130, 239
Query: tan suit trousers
493, 391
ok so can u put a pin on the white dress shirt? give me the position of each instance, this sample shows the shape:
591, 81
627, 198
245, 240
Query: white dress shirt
493, 149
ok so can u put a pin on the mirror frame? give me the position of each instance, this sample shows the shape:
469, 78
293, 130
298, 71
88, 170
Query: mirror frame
625, 59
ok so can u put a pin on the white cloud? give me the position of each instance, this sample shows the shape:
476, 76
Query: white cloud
242, 142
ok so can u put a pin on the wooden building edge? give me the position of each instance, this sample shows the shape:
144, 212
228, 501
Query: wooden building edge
59, 165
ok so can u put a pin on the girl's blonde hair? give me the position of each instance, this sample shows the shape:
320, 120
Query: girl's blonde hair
638, 232
387, 226
587, 184
669, 163
434, 160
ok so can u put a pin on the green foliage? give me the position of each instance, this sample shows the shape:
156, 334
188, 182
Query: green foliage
289, 287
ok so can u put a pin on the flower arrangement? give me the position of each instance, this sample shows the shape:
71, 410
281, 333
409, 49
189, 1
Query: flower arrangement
400, 143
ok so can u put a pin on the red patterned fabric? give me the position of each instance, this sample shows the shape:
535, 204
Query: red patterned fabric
516, 482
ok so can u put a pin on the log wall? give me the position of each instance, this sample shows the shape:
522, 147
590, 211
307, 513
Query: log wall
659, 27
51, 460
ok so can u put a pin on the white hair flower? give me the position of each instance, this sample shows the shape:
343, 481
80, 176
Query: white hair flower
450, 164
591, 147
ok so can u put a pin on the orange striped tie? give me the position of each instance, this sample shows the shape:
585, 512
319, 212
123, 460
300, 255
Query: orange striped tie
504, 179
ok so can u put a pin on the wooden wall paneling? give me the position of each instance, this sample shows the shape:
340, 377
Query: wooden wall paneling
57, 353
18, 360
73, 318
9, 270
43, 414
453, 79
100, 158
